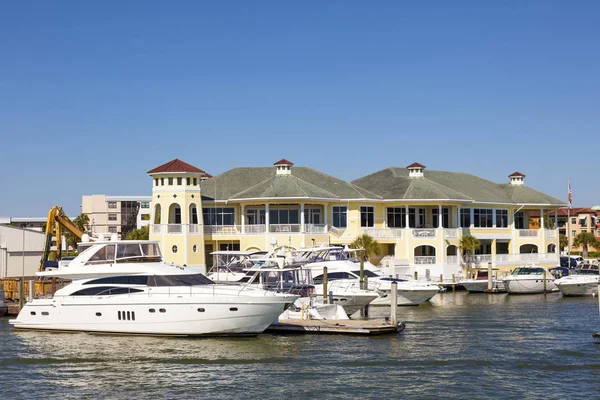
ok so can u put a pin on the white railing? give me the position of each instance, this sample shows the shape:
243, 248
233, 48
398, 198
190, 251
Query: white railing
451, 233
174, 228
424, 260
384, 233
544, 258
551, 234
452, 260
315, 228
423, 233
221, 229
255, 229
194, 229
528, 232
284, 228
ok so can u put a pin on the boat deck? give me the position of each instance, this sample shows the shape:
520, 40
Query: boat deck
347, 327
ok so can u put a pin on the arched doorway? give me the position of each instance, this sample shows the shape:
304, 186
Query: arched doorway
424, 254
528, 249
174, 219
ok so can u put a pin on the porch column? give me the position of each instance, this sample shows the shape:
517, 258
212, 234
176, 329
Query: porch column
440, 219
267, 229
406, 217
458, 217
543, 231
409, 256
326, 216
513, 231
472, 224
494, 218
243, 219
302, 217
439, 259
493, 251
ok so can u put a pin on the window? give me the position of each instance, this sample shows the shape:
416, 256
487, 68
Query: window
445, 217
218, 216
573, 234
120, 280
105, 291
145, 204
195, 181
255, 217
112, 204
483, 218
501, 218
155, 181
112, 217
145, 217
396, 217
465, 217
187, 181
583, 221
339, 216
174, 249
179, 280
312, 216
194, 215
284, 216
367, 216
179, 181
573, 221
112, 229
416, 217
162, 181
519, 220
170, 181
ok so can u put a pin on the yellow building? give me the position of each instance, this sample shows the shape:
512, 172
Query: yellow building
417, 215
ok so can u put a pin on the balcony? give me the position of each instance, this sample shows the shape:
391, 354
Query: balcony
315, 228
174, 228
551, 234
451, 233
284, 228
528, 232
221, 230
423, 233
383, 233
195, 229
255, 229
424, 260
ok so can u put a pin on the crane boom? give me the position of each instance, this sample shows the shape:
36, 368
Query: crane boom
56, 224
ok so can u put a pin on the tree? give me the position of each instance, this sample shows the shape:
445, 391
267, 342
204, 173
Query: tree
82, 221
366, 242
139, 234
563, 241
585, 239
468, 244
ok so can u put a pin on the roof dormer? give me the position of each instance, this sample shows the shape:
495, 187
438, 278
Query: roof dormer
415, 170
284, 167
517, 178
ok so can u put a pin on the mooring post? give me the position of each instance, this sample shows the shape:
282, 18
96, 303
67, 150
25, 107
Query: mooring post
362, 274
394, 305
416, 276
21, 293
325, 292
490, 276
31, 289
441, 278
544, 277
453, 282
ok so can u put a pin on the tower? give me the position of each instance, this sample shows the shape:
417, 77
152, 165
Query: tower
176, 218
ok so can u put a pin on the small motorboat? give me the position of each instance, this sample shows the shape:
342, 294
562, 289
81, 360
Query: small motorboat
529, 280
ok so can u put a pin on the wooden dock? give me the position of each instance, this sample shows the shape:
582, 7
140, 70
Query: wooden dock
345, 327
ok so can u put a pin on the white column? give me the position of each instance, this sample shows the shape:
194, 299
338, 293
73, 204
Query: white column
302, 217
472, 217
406, 217
542, 232
243, 216
440, 216
326, 216
267, 229
458, 217
442, 253
494, 218
513, 230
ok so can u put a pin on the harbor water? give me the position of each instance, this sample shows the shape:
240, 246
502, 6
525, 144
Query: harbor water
457, 346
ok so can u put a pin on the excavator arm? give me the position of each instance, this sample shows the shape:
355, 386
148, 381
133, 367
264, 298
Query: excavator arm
56, 224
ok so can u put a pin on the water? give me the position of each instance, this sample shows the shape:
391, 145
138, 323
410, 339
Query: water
458, 346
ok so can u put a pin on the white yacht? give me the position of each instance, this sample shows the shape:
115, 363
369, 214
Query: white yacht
345, 272
529, 280
273, 271
584, 282
124, 287
479, 284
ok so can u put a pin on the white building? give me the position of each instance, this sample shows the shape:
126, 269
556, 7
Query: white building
20, 251
115, 214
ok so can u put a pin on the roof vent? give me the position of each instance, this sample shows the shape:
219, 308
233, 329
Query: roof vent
415, 170
284, 167
516, 178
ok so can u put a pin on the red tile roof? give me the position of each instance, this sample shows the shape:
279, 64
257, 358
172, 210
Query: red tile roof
516, 174
416, 165
175, 165
283, 161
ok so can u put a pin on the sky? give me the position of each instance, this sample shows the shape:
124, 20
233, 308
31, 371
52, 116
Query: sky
95, 94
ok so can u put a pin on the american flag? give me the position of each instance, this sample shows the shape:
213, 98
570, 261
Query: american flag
570, 196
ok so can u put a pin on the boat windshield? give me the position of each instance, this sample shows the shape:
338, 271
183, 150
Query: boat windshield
587, 269
124, 252
528, 271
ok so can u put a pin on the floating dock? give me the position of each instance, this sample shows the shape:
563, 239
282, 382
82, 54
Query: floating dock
346, 327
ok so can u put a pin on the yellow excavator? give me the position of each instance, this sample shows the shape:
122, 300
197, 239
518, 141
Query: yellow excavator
57, 224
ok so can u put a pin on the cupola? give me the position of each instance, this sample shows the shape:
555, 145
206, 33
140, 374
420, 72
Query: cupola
283, 167
415, 170
516, 178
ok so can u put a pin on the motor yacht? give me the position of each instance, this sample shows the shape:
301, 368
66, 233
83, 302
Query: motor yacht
479, 283
343, 271
582, 282
529, 280
124, 287
272, 271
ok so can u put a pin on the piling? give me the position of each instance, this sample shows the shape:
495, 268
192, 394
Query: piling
362, 273
31, 290
416, 276
453, 282
489, 277
21, 293
325, 291
394, 305
544, 278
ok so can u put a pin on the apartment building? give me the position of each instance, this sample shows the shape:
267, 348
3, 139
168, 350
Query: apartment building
115, 214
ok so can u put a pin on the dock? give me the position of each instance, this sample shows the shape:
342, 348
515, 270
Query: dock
345, 327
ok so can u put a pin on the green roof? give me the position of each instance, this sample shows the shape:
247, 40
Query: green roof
263, 183
394, 183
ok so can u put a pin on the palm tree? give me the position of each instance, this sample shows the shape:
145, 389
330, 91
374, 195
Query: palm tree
585, 239
139, 234
366, 242
82, 221
563, 241
468, 244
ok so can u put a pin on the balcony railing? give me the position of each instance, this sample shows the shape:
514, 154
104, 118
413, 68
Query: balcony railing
423, 233
315, 228
451, 233
255, 229
156, 229
221, 229
383, 233
194, 229
452, 260
284, 228
424, 260
174, 228
528, 232
551, 234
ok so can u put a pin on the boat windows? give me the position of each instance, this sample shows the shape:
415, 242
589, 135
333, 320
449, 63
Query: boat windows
105, 291
125, 252
104, 254
366, 272
152, 310
334, 276
98, 314
179, 280
120, 280
528, 271
45, 313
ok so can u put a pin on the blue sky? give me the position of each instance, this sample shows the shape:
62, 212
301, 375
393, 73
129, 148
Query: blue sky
94, 94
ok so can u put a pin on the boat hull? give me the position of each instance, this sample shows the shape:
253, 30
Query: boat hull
151, 316
480, 286
574, 287
405, 297
528, 286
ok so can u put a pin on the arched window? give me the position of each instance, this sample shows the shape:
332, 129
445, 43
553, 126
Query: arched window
157, 214
174, 214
